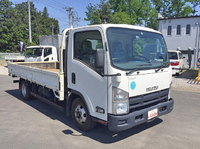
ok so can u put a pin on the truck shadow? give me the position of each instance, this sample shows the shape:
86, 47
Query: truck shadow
100, 133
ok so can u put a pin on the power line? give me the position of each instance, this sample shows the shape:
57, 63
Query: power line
73, 15
57, 3
52, 6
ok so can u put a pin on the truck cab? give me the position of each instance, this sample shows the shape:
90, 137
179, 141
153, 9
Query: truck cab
129, 82
41, 53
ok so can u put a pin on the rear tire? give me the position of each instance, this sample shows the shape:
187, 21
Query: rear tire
25, 90
81, 116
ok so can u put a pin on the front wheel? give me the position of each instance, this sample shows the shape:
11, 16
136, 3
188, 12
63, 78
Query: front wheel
81, 116
25, 91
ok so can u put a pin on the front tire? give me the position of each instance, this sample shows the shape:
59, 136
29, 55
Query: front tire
25, 91
81, 116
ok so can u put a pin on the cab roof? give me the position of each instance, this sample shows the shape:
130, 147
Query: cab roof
105, 26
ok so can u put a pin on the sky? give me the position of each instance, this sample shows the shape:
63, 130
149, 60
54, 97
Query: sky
56, 9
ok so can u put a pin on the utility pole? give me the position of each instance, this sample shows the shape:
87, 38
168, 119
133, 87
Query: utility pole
72, 18
77, 18
70, 14
52, 26
29, 21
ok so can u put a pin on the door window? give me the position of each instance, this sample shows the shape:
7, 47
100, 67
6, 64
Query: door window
85, 45
47, 51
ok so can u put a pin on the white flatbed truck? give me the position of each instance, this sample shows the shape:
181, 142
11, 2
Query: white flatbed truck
116, 75
36, 53
14, 58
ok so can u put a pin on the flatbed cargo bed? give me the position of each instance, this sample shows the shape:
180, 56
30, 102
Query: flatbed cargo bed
46, 74
15, 58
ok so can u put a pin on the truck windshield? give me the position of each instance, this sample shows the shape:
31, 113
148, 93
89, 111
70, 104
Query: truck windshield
33, 52
130, 49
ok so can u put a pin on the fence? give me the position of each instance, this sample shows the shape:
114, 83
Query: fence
2, 55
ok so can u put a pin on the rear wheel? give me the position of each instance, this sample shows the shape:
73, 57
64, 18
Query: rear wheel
25, 91
81, 116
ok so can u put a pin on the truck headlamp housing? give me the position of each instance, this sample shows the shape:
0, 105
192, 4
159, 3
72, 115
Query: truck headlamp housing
120, 101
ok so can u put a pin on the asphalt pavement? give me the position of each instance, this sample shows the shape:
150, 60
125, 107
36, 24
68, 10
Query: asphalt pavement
34, 124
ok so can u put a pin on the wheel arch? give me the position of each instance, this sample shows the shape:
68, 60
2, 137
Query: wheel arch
20, 82
73, 95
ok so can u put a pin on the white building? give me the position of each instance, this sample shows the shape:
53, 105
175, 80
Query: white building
182, 33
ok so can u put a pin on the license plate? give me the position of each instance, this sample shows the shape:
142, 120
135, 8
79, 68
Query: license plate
153, 113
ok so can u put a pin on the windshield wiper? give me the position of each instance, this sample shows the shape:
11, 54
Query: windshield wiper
139, 66
162, 66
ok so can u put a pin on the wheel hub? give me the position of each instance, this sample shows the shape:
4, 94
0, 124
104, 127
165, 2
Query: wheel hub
80, 114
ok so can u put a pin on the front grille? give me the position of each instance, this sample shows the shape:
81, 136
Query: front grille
148, 100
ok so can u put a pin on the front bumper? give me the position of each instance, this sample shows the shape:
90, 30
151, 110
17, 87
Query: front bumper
123, 122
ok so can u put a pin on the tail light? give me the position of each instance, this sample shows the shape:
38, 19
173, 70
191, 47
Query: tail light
174, 63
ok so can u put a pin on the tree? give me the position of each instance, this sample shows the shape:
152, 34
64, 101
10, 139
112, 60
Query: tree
137, 12
194, 4
6, 12
179, 8
173, 8
14, 25
162, 7
100, 13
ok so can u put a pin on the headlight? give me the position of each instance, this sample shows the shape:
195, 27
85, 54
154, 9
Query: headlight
120, 101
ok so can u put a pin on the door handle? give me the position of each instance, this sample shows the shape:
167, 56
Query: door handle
73, 78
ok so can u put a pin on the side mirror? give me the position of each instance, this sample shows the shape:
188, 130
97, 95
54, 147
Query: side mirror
99, 58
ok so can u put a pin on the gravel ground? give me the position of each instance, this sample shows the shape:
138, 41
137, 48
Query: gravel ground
184, 82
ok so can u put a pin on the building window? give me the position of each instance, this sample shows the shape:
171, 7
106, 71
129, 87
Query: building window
187, 29
169, 30
178, 30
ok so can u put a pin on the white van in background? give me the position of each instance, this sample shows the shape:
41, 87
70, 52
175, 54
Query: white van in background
176, 61
41, 53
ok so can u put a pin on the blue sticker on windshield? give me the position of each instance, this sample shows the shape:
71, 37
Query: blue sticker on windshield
133, 85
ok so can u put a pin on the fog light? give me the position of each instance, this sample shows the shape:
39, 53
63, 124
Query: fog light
122, 122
